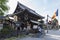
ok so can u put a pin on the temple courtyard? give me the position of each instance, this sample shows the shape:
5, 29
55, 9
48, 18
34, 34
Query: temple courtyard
51, 35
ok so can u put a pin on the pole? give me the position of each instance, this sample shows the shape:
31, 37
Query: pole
47, 23
58, 24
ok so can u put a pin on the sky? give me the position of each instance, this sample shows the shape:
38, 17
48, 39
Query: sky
42, 7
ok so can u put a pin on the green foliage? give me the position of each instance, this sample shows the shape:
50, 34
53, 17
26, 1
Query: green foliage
3, 6
55, 24
7, 30
1, 13
3, 1
55, 21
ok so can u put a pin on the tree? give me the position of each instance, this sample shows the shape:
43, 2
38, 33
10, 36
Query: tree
3, 6
55, 23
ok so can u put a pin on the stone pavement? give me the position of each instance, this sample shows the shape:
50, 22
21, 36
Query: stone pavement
32, 38
51, 35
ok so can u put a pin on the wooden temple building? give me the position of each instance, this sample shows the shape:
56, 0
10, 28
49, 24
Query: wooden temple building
26, 16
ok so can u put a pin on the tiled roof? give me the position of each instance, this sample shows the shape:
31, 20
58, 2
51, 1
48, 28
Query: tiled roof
23, 7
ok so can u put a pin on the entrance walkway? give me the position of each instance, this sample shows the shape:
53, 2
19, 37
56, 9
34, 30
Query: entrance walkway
51, 35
